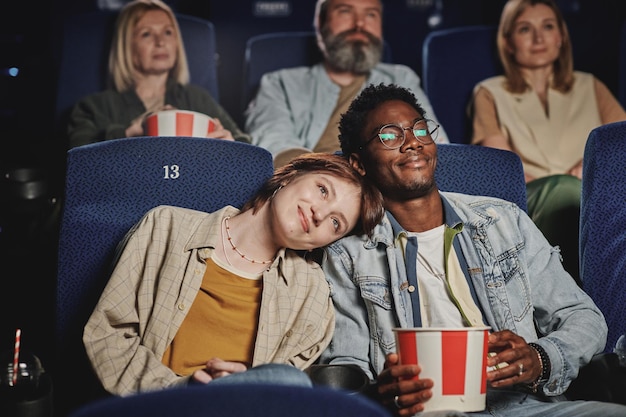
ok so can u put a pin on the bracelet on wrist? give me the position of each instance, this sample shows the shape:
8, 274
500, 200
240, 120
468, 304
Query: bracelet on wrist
544, 362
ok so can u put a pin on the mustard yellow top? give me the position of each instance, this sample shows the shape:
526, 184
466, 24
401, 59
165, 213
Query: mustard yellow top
222, 322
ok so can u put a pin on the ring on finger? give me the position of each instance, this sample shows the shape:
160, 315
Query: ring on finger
521, 369
397, 404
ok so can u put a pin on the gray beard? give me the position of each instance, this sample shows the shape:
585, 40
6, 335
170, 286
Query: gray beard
352, 56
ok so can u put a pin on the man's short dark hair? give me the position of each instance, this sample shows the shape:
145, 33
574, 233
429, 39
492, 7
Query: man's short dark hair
352, 122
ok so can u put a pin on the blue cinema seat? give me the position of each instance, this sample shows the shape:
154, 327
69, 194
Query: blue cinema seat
454, 61
109, 186
237, 401
603, 256
603, 225
86, 42
480, 170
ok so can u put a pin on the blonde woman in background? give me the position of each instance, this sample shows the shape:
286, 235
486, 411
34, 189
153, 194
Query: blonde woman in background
149, 72
543, 110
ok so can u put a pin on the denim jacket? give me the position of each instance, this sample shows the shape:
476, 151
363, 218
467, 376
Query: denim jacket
514, 275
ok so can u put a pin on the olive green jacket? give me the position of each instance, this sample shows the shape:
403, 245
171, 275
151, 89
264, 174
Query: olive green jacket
106, 115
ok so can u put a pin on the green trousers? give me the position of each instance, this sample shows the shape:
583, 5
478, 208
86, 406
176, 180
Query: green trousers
554, 206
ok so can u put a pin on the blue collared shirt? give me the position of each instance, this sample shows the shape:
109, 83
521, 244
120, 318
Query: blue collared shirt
293, 106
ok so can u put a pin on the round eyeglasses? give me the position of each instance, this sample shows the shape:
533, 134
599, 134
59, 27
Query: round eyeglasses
393, 136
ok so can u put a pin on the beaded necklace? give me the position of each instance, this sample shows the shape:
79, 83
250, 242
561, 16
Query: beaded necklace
230, 240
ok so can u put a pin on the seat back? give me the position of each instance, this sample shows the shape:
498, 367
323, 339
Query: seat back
481, 170
86, 41
602, 219
234, 400
273, 51
109, 186
454, 61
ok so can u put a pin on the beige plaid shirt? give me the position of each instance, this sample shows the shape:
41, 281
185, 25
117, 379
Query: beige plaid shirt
154, 283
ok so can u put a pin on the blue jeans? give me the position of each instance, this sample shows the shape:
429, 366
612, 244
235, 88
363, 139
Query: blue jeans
271, 373
502, 403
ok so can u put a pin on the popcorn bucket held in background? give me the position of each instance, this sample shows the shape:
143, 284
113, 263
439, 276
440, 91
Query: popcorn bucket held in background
454, 358
179, 123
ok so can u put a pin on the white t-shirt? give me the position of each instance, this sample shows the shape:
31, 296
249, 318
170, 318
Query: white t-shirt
437, 309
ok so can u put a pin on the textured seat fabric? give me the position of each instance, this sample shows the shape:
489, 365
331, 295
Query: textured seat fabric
237, 401
85, 48
454, 60
602, 225
273, 51
109, 186
480, 170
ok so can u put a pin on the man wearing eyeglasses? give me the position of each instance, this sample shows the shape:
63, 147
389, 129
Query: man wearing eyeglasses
297, 110
441, 259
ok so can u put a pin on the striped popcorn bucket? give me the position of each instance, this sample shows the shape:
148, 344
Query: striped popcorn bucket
179, 123
454, 358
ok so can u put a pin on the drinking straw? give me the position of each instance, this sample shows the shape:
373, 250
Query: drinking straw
16, 354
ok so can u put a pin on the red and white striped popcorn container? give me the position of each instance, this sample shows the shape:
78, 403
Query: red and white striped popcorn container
454, 358
179, 123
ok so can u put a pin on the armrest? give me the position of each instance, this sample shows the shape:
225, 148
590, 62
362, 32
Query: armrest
602, 379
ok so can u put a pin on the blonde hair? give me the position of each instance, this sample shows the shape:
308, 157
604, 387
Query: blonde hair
121, 68
563, 67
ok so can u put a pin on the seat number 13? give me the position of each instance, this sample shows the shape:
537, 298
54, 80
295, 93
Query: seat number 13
171, 172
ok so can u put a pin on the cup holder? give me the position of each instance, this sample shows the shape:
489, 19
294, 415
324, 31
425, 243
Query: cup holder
26, 191
346, 377
26, 184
